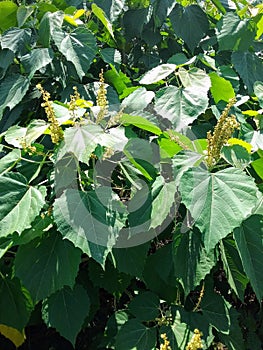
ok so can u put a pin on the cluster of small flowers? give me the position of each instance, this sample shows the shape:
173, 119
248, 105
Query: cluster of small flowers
222, 132
196, 342
102, 101
166, 344
72, 103
164, 321
55, 130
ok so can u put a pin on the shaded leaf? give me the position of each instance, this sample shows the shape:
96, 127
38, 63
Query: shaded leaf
134, 335
249, 241
145, 306
66, 310
190, 23
46, 264
249, 66
12, 89
14, 301
191, 262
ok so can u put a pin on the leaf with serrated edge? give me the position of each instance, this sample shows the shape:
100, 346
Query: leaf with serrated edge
218, 202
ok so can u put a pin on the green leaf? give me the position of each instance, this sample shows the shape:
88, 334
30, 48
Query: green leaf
189, 23
111, 55
233, 32
258, 167
8, 15
36, 59
66, 310
191, 262
181, 105
233, 266
16, 40
137, 100
47, 264
163, 203
14, 302
131, 260
79, 47
23, 13
218, 202
49, 23
249, 66
141, 123
134, 335
12, 89
9, 161
82, 140
100, 14
157, 73
109, 278
98, 232
194, 78
20, 204
221, 88
145, 306
258, 90
236, 155
249, 240
214, 307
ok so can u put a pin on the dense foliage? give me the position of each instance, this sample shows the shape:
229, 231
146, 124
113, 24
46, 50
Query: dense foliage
131, 211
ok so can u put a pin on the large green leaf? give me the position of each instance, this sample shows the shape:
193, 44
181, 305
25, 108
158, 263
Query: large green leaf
66, 310
12, 89
15, 304
221, 88
249, 66
20, 203
16, 40
82, 140
181, 105
89, 220
134, 335
249, 240
218, 202
47, 264
36, 59
49, 23
191, 262
8, 15
190, 23
233, 266
158, 73
79, 47
145, 306
112, 8
131, 260
233, 32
